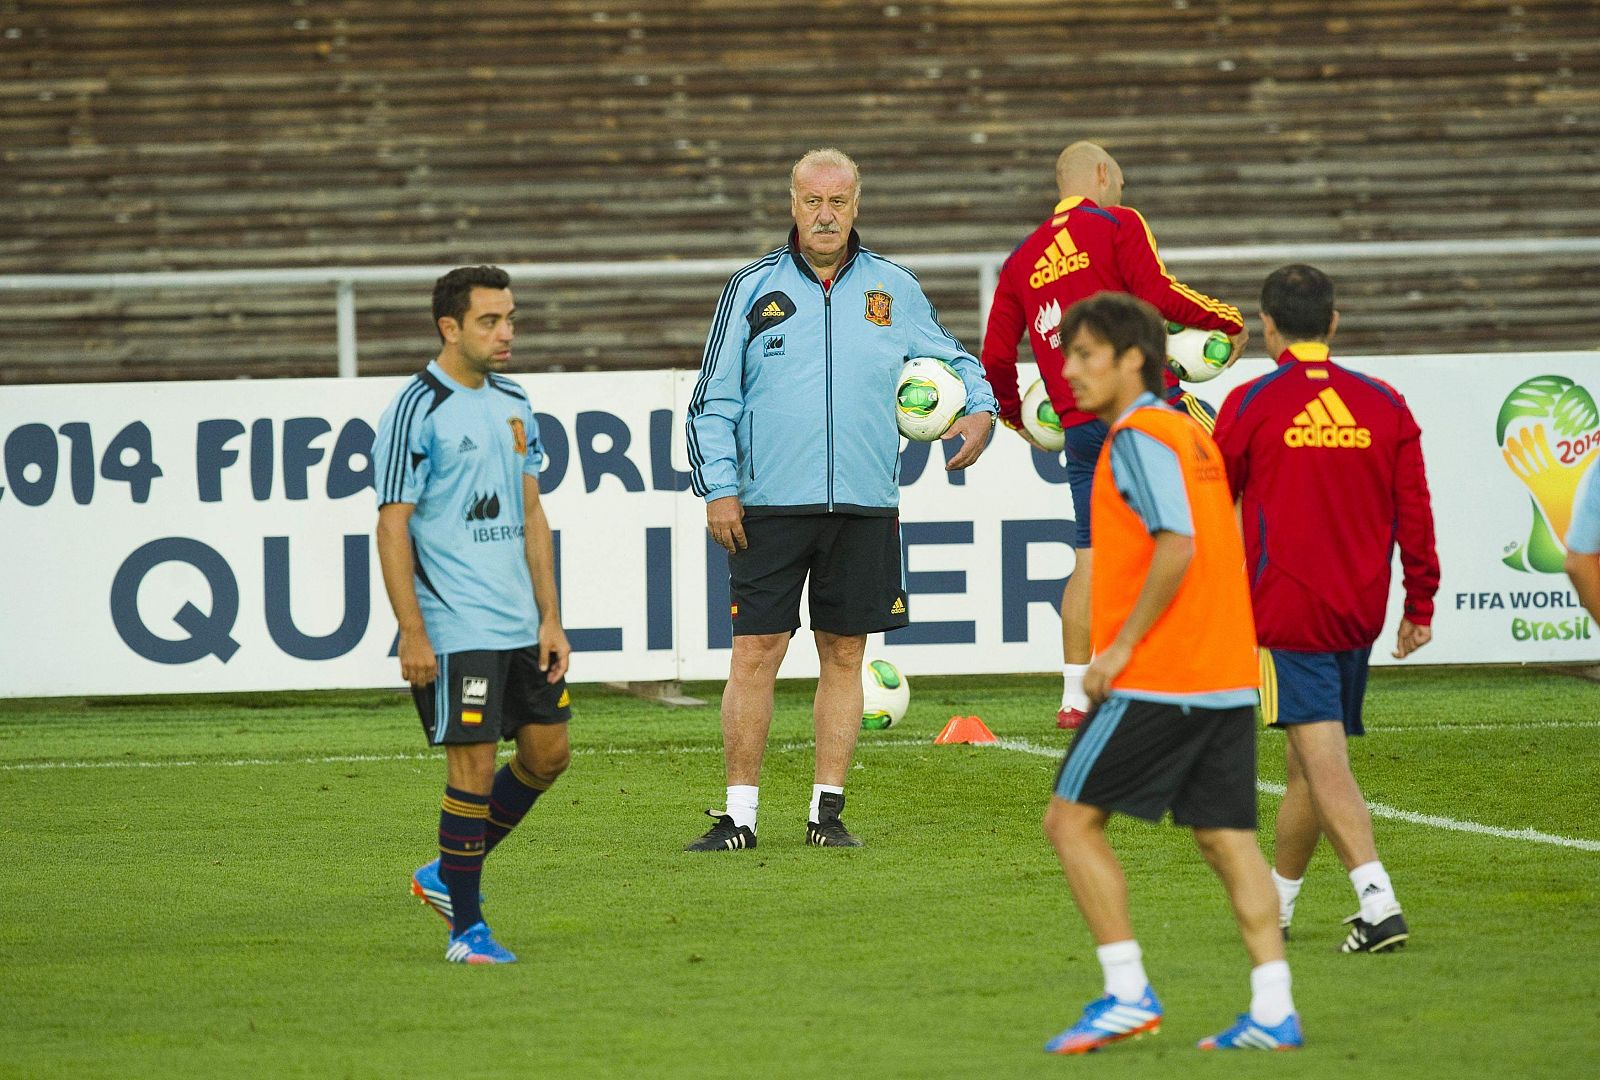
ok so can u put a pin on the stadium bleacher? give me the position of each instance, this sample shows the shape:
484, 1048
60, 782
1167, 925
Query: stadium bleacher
375, 132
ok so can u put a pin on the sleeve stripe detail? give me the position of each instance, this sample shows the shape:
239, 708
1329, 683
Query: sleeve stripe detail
399, 439
1216, 307
1260, 385
932, 311
708, 361
708, 364
507, 386
1376, 384
1198, 412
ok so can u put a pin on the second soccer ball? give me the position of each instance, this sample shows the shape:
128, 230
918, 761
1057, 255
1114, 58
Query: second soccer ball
1197, 355
884, 695
1039, 417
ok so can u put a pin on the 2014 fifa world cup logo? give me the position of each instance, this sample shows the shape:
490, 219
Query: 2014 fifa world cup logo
1549, 434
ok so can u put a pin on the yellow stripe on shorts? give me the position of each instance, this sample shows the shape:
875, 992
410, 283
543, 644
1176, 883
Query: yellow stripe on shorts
1269, 687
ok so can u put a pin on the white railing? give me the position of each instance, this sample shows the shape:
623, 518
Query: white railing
344, 279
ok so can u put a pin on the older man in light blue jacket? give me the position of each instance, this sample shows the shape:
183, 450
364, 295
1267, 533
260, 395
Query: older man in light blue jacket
793, 445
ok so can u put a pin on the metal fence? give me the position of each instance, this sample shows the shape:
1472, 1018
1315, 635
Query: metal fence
345, 279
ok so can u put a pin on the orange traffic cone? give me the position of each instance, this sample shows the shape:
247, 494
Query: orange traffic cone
965, 729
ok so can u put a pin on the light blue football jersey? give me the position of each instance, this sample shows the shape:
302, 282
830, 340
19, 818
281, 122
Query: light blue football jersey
458, 456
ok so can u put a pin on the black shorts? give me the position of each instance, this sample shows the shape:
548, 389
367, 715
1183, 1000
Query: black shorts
484, 696
1143, 758
857, 586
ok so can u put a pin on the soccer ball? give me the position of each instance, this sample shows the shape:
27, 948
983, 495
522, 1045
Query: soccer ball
1197, 355
884, 695
928, 398
1039, 418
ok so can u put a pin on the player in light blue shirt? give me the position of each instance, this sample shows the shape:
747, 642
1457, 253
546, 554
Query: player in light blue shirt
1583, 541
469, 565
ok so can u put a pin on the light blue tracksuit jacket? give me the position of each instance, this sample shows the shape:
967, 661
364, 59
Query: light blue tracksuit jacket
794, 408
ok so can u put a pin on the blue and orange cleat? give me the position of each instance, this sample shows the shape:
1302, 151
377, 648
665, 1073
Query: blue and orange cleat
427, 886
476, 945
1106, 1021
1246, 1034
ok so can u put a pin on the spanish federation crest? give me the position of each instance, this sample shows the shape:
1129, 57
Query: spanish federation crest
519, 434
879, 307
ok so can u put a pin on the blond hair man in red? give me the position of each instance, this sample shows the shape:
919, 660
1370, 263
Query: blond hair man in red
1089, 244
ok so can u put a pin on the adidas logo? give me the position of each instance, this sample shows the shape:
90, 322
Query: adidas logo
1327, 422
772, 310
899, 607
466, 444
1372, 889
1060, 258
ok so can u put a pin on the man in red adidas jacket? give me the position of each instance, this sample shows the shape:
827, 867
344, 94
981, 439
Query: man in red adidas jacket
1090, 244
1327, 467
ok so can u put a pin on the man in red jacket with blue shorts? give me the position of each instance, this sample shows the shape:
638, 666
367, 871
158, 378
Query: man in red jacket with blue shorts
1327, 466
1090, 244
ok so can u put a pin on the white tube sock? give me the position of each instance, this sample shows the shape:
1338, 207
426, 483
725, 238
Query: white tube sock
1270, 1000
1123, 964
1374, 891
742, 802
1072, 695
1288, 893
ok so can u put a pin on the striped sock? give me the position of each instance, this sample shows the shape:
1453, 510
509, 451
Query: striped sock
462, 818
515, 791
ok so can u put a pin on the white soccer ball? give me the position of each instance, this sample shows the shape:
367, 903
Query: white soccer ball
928, 398
1039, 418
1197, 355
884, 695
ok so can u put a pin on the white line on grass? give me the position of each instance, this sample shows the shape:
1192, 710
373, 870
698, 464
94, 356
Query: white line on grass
1380, 810
345, 759
1437, 822
1017, 745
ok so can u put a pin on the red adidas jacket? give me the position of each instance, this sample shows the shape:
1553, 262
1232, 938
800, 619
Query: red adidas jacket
1327, 465
1082, 249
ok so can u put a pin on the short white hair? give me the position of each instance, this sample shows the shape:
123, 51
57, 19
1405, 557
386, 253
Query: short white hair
826, 155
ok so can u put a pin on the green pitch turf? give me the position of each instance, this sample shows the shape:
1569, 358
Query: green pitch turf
217, 886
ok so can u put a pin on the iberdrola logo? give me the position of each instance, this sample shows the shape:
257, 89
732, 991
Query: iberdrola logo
1549, 432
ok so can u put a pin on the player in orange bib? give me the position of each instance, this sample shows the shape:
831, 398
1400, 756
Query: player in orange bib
1173, 681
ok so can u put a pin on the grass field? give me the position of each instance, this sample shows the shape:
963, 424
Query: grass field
216, 886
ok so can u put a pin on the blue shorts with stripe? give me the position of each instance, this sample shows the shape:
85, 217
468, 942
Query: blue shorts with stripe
1083, 443
1308, 687
1144, 758
483, 696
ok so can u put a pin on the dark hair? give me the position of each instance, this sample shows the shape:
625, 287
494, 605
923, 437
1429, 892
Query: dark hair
452, 294
1300, 300
1124, 322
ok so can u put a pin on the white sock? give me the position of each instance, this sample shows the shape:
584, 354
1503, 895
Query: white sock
1123, 964
1374, 891
1270, 1001
1072, 695
816, 797
742, 802
1288, 892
